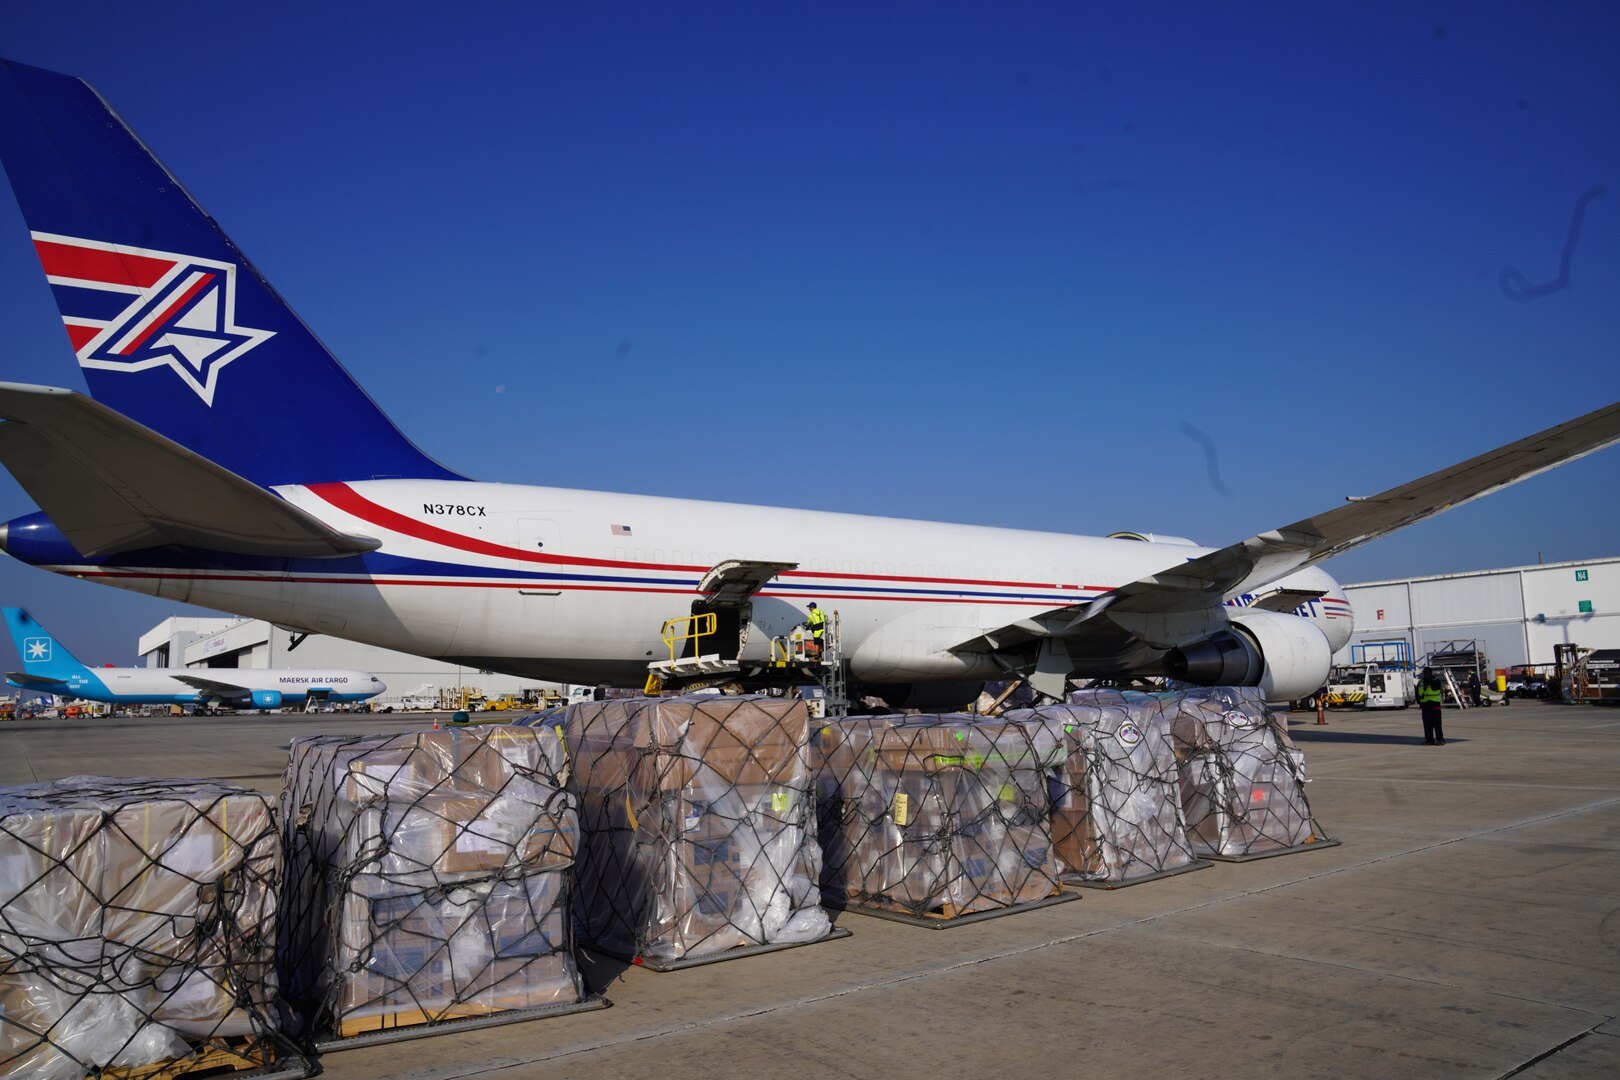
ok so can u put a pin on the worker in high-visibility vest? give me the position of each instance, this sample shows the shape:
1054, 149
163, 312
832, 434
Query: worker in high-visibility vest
1429, 699
816, 623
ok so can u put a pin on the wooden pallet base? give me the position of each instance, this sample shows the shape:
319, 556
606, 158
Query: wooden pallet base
950, 915
414, 1024
226, 1056
1077, 881
654, 964
1315, 843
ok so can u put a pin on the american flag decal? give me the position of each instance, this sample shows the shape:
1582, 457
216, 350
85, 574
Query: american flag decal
621, 530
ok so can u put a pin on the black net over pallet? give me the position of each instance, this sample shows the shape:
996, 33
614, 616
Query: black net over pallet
137, 927
426, 878
935, 816
1242, 779
698, 822
1116, 800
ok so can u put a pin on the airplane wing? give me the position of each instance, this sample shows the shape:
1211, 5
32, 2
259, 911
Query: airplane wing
112, 485
1253, 563
1250, 565
225, 690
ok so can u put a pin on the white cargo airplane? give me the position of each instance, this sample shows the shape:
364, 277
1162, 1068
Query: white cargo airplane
178, 480
49, 668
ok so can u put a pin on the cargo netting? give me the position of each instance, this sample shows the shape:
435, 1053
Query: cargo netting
1116, 799
427, 878
137, 928
935, 816
1242, 779
698, 818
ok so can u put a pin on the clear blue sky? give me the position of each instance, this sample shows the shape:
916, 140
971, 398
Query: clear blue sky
982, 261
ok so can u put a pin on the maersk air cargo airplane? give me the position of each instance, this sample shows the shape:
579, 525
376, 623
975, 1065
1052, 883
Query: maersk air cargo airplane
175, 480
48, 668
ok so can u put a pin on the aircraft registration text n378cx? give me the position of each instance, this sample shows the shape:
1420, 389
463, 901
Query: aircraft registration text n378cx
171, 479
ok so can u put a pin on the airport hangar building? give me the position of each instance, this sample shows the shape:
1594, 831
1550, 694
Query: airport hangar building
1515, 615
254, 643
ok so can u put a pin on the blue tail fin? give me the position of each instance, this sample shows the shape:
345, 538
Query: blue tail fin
42, 655
172, 325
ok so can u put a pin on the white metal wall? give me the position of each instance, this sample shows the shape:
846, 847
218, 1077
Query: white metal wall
257, 644
1516, 614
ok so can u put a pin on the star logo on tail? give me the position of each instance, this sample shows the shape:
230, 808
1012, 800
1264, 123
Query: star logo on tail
36, 649
133, 309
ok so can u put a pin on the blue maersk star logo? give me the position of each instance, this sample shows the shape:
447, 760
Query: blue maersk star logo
175, 311
36, 649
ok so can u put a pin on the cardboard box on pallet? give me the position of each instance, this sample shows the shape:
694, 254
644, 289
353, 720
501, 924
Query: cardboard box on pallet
937, 815
139, 920
483, 948
697, 820
1116, 802
430, 870
1242, 780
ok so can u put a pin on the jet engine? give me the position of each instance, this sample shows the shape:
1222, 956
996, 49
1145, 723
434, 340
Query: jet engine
267, 699
1286, 656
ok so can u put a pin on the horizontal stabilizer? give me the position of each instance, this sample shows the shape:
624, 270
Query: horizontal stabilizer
29, 682
111, 485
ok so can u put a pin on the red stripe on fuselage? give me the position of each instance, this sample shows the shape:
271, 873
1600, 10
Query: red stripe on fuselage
535, 586
93, 264
347, 499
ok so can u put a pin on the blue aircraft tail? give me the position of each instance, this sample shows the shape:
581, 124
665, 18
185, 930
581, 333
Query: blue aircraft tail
171, 324
42, 655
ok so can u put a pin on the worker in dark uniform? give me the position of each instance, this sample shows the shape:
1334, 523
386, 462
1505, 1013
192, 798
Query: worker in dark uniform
816, 623
1429, 698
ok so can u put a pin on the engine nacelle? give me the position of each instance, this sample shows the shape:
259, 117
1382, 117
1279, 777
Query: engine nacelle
931, 697
267, 699
1286, 656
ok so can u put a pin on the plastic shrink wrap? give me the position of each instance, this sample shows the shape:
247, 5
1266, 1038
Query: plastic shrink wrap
936, 816
1116, 800
427, 877
1242, 780
137, 921
698, 821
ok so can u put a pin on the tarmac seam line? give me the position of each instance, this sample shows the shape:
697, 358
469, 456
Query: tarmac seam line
1565, 1045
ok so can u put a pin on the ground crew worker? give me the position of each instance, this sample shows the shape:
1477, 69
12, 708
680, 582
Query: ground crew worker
1429, 698
816, 623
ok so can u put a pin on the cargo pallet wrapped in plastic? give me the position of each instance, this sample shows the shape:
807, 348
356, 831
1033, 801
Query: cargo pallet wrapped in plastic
698, 822
137, 930
1116, 801
1242, 779
936, 820
427, 883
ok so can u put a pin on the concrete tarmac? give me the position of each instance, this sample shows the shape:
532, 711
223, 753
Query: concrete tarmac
1468, 926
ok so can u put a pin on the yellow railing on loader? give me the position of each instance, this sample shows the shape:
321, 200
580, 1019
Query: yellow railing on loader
693, 628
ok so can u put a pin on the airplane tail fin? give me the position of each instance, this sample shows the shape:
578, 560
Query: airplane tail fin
171, 324
43, 656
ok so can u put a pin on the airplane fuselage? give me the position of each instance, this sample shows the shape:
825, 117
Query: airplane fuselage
576, 585
160, 686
